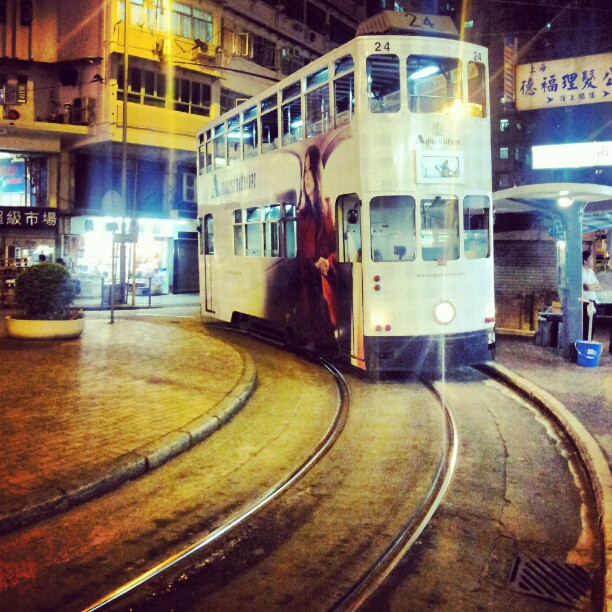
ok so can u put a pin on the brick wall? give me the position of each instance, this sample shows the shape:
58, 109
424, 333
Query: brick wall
525, 281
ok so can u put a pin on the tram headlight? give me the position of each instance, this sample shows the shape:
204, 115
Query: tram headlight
444, 311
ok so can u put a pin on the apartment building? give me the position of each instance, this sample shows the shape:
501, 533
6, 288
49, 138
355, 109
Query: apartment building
62, 134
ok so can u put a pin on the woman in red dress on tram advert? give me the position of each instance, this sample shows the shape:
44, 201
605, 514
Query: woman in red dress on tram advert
316, 252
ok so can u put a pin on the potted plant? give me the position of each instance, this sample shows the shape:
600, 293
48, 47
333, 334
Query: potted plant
45, 293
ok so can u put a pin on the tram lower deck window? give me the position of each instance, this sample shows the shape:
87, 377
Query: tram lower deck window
439, 228
392, 228
476, 219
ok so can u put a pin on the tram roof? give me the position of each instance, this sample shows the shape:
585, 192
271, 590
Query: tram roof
392, 22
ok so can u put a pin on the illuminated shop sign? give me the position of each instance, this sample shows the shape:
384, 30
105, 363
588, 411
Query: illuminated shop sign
24, 217
576, 155
567, 82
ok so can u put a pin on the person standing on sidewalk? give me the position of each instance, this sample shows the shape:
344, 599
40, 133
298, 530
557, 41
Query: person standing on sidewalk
590, 286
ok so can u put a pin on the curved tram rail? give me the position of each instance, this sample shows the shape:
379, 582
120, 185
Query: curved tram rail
250, 510
386, 563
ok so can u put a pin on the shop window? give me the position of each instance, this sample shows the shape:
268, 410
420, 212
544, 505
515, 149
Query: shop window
503, 153
434, 83
476, 216
383, 83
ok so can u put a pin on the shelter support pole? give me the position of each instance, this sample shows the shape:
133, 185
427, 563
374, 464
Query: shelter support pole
572, 292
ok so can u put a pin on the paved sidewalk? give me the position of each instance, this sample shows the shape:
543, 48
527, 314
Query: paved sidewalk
80, 417
585, 392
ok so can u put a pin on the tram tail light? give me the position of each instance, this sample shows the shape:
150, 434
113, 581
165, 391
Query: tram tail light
489, 319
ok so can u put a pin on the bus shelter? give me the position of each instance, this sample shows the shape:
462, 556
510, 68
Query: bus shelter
576, 208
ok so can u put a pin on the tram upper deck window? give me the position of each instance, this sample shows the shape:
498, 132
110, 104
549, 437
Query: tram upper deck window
439, 228
344, 89
201, 156
292, 113
392, 228
477, 89
476, 238
269, 131
250, 138
234, 141
220, 151
317, 111
383, 83
434, 83
269, 124
209, 155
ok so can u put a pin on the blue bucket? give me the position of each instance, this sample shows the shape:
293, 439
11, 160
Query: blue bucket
588, 353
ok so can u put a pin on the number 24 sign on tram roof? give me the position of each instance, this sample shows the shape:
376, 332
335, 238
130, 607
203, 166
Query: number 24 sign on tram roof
566, 82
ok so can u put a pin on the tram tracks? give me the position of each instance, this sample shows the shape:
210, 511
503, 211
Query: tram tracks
358, 593
249, 511
380, 568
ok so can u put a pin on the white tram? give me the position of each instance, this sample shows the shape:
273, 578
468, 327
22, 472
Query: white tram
349, 206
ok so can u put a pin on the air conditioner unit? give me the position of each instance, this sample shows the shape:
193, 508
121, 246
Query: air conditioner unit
80, 116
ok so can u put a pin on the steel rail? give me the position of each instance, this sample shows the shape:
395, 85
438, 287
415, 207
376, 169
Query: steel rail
252, 509
380, 570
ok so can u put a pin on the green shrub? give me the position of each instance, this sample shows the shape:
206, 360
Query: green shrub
45, 291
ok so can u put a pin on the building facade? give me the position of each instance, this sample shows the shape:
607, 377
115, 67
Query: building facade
63, 78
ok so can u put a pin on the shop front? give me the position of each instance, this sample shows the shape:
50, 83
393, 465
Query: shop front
149, 260
25, 234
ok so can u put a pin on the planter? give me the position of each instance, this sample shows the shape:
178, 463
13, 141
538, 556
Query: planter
27, 329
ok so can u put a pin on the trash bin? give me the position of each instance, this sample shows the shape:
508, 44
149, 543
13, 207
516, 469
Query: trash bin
549, 324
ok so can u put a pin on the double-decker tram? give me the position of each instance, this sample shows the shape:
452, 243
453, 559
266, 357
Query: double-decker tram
349, 205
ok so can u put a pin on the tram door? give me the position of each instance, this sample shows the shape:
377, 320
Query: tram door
350, 306
208, 237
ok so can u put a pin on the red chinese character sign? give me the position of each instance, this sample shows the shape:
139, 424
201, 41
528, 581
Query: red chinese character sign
567, 82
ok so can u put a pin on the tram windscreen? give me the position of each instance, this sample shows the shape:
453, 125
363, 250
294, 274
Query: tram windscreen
383, 83
392, 228
434, 83
439, 228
